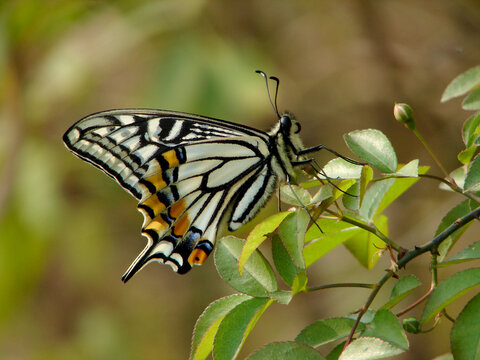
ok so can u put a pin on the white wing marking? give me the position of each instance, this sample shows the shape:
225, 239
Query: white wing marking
175, 130
229, 171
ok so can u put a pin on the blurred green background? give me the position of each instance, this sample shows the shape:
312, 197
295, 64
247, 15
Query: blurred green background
67, 232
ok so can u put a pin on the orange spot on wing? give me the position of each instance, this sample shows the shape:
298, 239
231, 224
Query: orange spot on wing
197, 257
171, 158
181, 226
157, 181
177, 209
155, 204
158, 225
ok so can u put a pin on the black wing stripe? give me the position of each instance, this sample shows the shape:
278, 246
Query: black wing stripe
251, 196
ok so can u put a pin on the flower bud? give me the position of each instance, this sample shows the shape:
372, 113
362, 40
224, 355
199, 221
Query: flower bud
404, 113
411, 325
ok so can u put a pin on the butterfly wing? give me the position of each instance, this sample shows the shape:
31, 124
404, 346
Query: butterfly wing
186, 171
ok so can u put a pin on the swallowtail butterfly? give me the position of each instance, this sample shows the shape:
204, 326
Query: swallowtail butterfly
191, 174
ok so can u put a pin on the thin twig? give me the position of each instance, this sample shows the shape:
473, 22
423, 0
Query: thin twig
433, 266
444, 313
433, 285
415, 303
451, 185
430, 151
340, 285
367, 304
435, 323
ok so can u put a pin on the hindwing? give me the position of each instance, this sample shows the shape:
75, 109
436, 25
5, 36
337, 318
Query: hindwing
186, 171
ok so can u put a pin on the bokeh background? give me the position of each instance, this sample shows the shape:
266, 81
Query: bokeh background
67, 232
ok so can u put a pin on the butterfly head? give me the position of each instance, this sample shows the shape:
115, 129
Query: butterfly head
289, 129
286, 136
289, 125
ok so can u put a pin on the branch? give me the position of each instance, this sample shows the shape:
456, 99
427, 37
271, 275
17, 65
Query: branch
433, 245
410, 255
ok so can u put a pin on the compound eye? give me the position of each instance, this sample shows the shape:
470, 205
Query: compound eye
286, 122
299, 127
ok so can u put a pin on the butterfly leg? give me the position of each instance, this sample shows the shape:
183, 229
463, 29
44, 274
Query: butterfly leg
301, 204
320, 147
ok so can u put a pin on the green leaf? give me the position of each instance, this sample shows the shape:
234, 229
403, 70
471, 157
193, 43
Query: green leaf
288, 192
325, 192
472, 179
324, 331
471, 129
351, 200
343, 187
283, 261
334, 233
339, 168
398, 188
236, 326
457, 212
336, 351
258, 235
365, 246
465, 335
299, 282
292, 233
472, 252
288, 350
462, 84
385, 326
465, 156
207, 324
293, 276
408, 170
374, 147
282, 296
401, 290
257, 279
366, 177
373, 198
367, 348
449, 290
338, 191
458, 175
472, 101
367, 318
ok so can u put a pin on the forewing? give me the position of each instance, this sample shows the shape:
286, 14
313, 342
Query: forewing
123, 142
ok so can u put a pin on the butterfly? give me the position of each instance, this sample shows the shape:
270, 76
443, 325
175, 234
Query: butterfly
192, 175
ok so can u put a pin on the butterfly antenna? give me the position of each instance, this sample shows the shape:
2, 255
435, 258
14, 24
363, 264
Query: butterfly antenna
268, 90
277, 81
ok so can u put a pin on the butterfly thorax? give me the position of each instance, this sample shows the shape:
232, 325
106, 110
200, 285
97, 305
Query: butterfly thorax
285, 143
